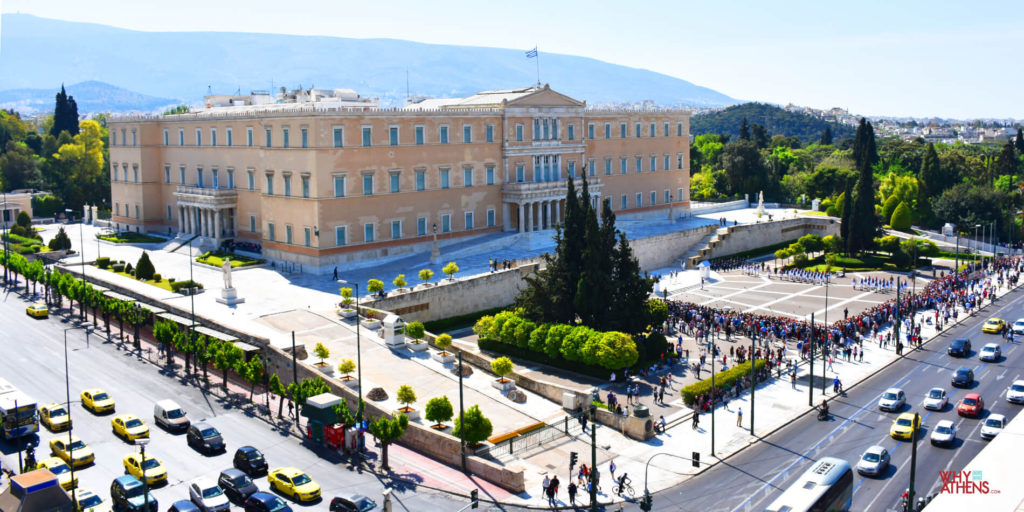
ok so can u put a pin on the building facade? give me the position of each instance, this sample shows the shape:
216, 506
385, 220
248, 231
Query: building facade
322, 181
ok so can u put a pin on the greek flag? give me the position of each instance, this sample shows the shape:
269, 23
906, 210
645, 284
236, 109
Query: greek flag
531, 53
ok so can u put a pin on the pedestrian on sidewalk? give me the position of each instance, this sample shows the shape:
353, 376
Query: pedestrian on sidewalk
661, 396
572, 493
739, 416
611, 468
550, 491
696, 419
835, 384
547, 484
553, 488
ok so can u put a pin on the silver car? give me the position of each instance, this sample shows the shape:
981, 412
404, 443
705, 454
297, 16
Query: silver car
1016, 392
936, 399
874, 461
990, 352
892, 400
208, 496
993, 426
1018, 326
944, 433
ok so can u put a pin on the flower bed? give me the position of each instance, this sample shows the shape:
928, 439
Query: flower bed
216, 259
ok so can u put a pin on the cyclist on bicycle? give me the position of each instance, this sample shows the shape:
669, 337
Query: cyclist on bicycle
623, 481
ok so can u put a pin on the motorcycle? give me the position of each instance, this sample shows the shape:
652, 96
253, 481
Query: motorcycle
823, 414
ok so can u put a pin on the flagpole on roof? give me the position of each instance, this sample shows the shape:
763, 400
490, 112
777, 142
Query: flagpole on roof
538, 65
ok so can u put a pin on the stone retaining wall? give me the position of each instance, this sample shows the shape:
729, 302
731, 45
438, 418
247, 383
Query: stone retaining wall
662, 251
746, 237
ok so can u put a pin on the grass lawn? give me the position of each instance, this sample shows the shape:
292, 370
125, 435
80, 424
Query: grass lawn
854, 264
812, 212
129, 237
165, 284
216, 259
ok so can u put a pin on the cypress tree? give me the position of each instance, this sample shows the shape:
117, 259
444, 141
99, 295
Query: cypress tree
65, 114
846, 220
744, 130
633, 289
1006, 165
826, 138
929, 184
862, 231
1019, 141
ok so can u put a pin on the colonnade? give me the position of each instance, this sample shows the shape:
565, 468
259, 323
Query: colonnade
213, 223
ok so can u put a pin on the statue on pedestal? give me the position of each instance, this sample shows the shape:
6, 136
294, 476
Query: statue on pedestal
227, 272
760, 202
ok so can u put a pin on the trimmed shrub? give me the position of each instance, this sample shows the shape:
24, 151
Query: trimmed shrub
538, 337
724, 379
118, 267
889, 206
556, 336
128, 268
103, 262
573, 343
157, 278
901, 217
508, 330
523, 332
144, 267
61, 241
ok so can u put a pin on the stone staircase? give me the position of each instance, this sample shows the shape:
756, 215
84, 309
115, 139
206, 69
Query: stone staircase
702, 249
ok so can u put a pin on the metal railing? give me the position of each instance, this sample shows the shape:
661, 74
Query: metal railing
569, 425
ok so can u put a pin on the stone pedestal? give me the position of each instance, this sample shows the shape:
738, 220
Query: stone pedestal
230, 297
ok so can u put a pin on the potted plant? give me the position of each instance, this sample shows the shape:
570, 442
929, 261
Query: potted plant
372, 320
322, 353
451, 269
443, 342
405, 397
400, 283
426, 275
346, 311
346, 367
375, 286
438, 411
415, 332
502, 366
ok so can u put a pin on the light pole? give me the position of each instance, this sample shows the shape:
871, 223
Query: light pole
359, 360
145, 486
67, 405
828, 339
81, 242
977, 248
435, 253
6, 250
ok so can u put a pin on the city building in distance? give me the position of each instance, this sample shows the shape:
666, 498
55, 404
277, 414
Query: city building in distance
325, 178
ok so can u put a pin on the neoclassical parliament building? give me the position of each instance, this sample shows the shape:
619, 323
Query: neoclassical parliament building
325, 178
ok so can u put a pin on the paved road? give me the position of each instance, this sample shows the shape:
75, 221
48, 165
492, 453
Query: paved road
33, 360
758, 475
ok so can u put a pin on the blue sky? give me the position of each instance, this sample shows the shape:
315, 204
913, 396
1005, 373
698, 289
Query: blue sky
901, 58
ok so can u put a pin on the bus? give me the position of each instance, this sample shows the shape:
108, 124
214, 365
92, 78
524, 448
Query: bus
827, 486
18, 412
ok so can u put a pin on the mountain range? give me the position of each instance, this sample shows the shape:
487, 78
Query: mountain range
41, 53
91, 96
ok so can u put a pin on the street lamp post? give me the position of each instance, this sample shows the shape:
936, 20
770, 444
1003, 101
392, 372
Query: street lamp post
6, 250
359, 360
435, 252
145, 486
81, 243
828, 339
67, 405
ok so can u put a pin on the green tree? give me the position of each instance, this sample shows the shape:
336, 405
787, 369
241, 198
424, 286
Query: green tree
439, 410
1007, 162
61, 241
930, 182
450, 269
501, 367
415, 330
399, 281
346, 297
617, 350
901, 217
781, 254
477, 427
65, 114
1018, 143
744, 130
144, 269
19, 167
178, 109
812, 243
227, 357
846, 221
252, 372
406, 396
24, 220
322, 352
346, 367
387, 431
862, 232
826, 137
833, 244
889, 206
443, 342
426, 275
375, 286
277, 388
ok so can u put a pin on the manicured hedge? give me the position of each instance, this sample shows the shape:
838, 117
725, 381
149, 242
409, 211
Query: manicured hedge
519, 353
131, 237
178, 285
458, 322
722, 380
216, 259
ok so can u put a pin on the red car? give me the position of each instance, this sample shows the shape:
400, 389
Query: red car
971, 405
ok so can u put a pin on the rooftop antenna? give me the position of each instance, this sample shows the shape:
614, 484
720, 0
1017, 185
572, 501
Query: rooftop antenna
209, 90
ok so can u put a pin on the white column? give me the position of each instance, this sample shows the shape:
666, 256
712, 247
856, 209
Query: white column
181, 219
218, 226
189, 220
547, 207
529, 217
206, 222
522, 222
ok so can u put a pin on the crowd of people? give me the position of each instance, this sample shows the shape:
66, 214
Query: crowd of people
233, 245
946, 298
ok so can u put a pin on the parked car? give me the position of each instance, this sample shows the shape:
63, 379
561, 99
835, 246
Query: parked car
963, 377
61, 470
971, 405
204, 438
874, 461
266, 502
170, 416
892, 400
128, 494
236, 484
55, 417
990, 352
993, 426
183, 506
960, 347
72, 450
352, 503
208, 496
37, 310
250, 460
155, 473
944, 433
936, 399
1015, 394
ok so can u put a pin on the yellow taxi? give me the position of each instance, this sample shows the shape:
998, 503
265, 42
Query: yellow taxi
97, 400
88, 501
38, 310
129, 427
293, 482
61, 470
55, 417
72, 450
993, 325
155, 472
904, 426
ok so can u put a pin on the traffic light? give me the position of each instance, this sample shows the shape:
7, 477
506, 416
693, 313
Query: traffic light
647, 502
696, 459
474, 498
573, 457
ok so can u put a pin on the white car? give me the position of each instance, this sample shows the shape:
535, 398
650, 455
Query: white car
1016, 392
207, 496
874, 461
936, 399
990, 352
993, 425
892, 400
1018, 326
944, 433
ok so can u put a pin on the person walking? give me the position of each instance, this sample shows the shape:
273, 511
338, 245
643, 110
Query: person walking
661, 396
572, 493
611, 468
739, 416
550, 491
547, 484
553, 490
835, 384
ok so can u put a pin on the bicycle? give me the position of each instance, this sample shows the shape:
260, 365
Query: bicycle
624, 489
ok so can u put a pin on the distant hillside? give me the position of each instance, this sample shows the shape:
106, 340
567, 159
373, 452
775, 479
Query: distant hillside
42, 53
778, 121
90, 96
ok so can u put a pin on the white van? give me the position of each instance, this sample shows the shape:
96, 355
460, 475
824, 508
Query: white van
171, 416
